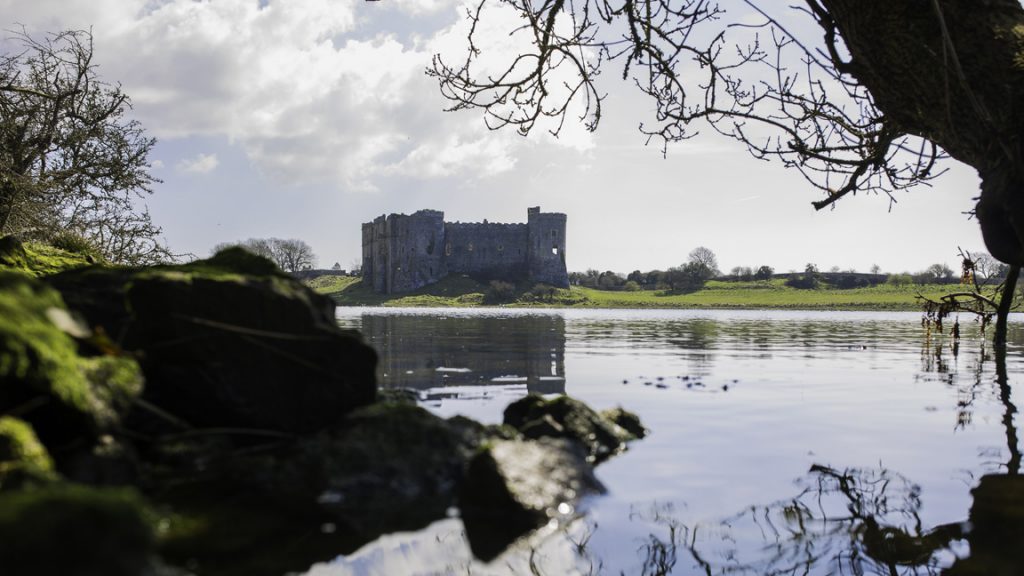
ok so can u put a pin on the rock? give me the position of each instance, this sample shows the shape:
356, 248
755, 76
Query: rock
384, 468
70, 529
230, 341
66, 397
513, 487
24, 462
565, 417
627, 421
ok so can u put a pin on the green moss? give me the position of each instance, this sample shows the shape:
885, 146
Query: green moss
34, 353
40, 365
114, 381
328, 285
37, 259
69, 529
23, 459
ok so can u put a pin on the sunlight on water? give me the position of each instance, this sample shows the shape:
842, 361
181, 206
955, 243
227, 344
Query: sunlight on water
781, 442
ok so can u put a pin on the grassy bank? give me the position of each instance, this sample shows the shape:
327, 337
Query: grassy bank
764, 294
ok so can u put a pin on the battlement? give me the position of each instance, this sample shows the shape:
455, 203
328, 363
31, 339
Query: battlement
404, 252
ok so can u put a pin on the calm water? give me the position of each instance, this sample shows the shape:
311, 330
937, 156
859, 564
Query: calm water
776, 437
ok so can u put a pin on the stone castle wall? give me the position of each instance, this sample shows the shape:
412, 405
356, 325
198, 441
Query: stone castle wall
404, 252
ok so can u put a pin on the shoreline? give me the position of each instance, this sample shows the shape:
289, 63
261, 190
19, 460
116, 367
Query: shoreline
716, 295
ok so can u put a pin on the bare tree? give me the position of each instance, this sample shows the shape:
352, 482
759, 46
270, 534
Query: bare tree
70, 159
293, 255
705, 257
289, 255
870, 102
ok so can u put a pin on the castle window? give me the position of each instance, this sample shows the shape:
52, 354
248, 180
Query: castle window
554, 249
448, 249
554, 233
501, 248
469, 247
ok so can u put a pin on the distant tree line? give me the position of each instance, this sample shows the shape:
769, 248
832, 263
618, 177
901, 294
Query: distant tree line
290, 255
702, 265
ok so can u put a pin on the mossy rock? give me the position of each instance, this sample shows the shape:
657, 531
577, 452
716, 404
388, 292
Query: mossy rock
236, 260
70, 529
37, 259
24, 462
384, 468
43, 378
230, 341
565, 417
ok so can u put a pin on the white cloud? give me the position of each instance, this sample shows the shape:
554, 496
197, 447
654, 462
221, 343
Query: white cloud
201, 164
306, 88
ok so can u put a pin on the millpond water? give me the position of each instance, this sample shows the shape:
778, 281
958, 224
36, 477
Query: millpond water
780, 442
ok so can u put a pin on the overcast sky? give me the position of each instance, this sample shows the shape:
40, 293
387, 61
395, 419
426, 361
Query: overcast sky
305, 118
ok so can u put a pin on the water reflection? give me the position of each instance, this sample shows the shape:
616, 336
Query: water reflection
434, 353
902, 443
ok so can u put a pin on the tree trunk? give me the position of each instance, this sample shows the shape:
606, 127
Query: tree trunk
1005, 302
951, 71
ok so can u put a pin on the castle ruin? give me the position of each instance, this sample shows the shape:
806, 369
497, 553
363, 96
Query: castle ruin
404, 252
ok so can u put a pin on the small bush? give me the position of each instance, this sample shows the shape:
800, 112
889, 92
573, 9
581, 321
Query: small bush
631, 286
803, 281
899, 279
500, 292
76, 244
542, 293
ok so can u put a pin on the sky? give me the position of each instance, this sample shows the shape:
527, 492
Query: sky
305, 118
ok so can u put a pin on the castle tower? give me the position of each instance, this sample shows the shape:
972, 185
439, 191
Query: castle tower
402, 253
546, 247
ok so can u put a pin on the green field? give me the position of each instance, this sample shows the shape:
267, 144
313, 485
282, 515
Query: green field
763, 294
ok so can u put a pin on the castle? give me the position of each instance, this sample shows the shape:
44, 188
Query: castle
404, 252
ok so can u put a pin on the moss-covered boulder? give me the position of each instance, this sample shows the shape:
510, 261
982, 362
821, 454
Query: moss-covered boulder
388, 467
513, 487
36, 259
70, 529
565, 417
229, 341
43, 378
24, 462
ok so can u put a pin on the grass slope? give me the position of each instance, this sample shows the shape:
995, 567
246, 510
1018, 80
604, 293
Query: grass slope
764, 294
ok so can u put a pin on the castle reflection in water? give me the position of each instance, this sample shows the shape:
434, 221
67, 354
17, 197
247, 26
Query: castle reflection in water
428, 353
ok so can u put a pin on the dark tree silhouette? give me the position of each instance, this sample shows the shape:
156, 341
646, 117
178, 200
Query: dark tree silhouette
869, 102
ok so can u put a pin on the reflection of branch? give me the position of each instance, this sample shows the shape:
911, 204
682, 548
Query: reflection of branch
879, 531
1013, 465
